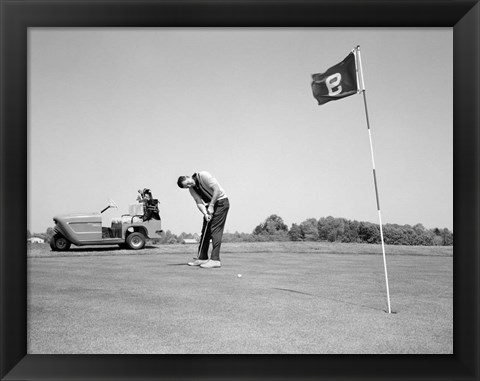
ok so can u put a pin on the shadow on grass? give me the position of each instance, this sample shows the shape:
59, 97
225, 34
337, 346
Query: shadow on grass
106, 249
177, 264
331, 299
90, 251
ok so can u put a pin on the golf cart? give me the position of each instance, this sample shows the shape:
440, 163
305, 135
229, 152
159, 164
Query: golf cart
129, 231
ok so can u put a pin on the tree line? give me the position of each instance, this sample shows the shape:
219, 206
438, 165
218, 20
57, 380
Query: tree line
333, 229
328, 229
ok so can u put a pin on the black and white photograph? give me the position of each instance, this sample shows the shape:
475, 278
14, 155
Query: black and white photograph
240, 190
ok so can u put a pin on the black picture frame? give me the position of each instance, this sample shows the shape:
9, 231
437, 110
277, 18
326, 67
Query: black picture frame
17, 16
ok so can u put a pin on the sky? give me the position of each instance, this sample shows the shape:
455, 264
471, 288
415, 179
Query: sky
111, 111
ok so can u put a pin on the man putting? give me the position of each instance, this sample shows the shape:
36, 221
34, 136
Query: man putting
213, 203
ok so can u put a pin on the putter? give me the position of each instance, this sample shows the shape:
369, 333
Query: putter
203, 239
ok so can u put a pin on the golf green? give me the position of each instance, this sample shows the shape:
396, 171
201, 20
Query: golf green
291, 298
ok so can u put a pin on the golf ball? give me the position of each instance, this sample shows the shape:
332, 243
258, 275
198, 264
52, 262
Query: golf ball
239, 275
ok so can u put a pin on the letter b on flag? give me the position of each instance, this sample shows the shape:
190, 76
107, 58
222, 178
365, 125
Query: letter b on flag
333, 84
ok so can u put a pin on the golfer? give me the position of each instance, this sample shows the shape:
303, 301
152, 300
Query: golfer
213, 203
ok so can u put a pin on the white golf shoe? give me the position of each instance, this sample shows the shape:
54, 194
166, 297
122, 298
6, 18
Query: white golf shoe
211, 264
198, 262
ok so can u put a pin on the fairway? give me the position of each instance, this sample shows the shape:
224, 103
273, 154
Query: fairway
294, 298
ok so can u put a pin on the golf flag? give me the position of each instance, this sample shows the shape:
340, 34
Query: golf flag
338, 82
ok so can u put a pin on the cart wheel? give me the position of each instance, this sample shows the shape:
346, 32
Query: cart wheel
136, 241
59, 243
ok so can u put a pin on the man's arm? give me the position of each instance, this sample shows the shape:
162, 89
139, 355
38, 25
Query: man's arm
212, 182
216, 193
200, 204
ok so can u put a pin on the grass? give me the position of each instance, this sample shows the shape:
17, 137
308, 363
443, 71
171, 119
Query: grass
292, 298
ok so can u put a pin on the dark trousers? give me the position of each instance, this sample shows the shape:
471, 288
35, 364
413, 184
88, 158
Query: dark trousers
214, 230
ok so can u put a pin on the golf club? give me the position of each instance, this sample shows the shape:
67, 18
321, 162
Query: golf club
203, 239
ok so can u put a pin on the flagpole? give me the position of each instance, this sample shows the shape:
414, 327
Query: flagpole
357, 49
